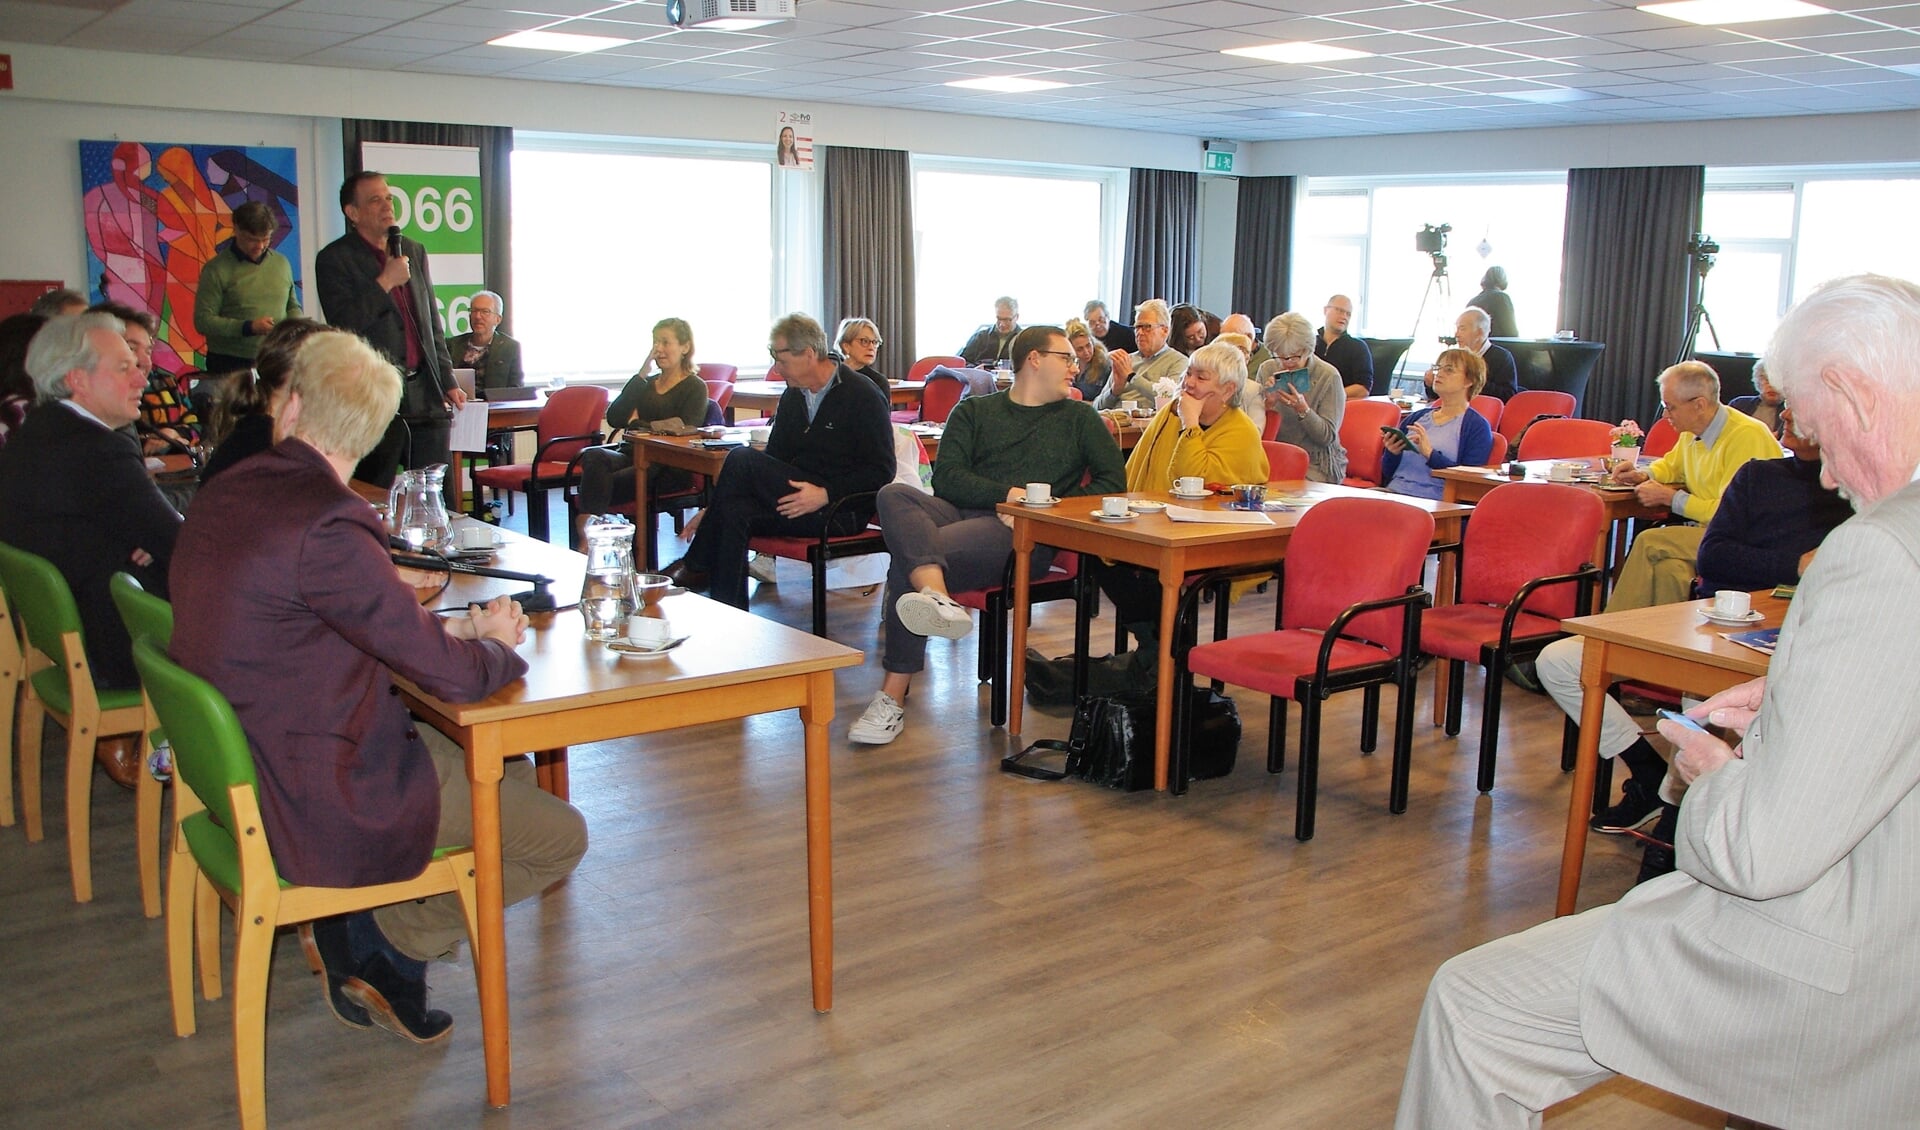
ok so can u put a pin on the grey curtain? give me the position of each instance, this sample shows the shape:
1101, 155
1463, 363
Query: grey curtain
1163, 238
1263, 247
867, 231
495, 144
1626, 278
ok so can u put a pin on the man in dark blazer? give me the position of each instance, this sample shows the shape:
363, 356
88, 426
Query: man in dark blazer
288, 603
1474, 330
831, 438
493, 356
388, 299
994, 342
75, 491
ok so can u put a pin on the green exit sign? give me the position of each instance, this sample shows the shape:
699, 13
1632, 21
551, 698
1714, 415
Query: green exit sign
1218, 161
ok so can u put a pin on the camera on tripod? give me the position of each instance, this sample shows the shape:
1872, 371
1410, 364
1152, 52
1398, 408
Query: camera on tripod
1433, 240
1701, 249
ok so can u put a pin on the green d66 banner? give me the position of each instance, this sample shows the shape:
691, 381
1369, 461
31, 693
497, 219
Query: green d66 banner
436, 201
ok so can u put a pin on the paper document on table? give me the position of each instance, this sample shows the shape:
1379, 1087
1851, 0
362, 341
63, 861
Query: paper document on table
469, 427
1225, 517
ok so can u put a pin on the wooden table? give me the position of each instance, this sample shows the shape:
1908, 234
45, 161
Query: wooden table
764, 396
1669, 645
1173, 549
734, 665
1471, 484
667, 451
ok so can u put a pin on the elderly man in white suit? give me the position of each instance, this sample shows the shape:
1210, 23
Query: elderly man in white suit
1776, 974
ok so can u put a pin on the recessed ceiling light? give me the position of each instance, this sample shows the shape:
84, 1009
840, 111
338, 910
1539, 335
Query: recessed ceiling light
1548, 94
1298, 53
558, 41
1734, 11
1007, 84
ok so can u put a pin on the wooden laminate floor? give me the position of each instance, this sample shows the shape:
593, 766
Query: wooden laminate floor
1009, 953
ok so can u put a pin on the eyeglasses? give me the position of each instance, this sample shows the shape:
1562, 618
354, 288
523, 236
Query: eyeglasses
775, 351
869, 342
1667, 409
1067, 357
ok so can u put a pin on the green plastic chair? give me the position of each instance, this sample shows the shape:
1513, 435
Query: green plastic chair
59, 682
220, 850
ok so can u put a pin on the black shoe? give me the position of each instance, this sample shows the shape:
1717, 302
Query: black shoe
1637, 806
1521, 673
325, 941
397, 1002
685, 576
1656, 861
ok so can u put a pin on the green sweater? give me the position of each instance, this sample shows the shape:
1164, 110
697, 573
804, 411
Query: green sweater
991, 445
234, 292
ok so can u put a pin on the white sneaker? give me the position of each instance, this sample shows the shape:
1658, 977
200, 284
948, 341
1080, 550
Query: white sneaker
764, 568
929, 613
882, 722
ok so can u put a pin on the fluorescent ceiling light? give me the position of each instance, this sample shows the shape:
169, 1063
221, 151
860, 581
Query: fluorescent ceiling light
1298, 53
1734, 11
735, 23
1007, 84
1548, 94
558, 41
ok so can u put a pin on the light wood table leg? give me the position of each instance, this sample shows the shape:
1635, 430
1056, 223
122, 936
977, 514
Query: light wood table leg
816, 714
643, 511
1022, 603
1593, 691
484, 757
1170, 581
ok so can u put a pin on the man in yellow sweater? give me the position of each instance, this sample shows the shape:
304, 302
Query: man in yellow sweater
1714, 442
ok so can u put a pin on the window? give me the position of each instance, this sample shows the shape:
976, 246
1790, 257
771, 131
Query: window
1050, 237
1783, 232
610, 236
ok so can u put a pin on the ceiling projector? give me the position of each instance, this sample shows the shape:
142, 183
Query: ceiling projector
728, 15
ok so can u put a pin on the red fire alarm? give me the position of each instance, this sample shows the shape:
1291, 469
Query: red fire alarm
6, 72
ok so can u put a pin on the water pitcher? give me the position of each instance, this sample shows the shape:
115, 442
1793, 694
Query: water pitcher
607, 599
417, 511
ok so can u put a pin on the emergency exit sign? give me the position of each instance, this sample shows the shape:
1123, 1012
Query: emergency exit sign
1218, 161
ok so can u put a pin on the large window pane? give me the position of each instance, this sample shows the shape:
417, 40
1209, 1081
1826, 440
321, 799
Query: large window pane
1851, 226
1744, 295
1757, 212
591, 279
980, 235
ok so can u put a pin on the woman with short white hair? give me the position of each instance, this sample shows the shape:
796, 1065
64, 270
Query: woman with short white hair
1305, 393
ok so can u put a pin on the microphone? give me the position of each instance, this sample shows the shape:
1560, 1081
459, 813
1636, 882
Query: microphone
393, 242
538, 599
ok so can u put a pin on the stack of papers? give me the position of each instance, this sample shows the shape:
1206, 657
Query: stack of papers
1224, 517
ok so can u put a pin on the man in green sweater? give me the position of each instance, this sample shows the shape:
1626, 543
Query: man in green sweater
951, 540
244, 289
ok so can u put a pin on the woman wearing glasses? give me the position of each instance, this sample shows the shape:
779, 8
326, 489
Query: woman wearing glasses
1304, 393
673, 390
860, 344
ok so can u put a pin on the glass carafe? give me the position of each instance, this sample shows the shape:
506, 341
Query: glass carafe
606, 600
417, 510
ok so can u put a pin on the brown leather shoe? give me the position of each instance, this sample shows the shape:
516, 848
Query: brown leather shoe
685, 576
120, 757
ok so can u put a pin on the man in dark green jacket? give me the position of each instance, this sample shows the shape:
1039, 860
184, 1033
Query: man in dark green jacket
952, 540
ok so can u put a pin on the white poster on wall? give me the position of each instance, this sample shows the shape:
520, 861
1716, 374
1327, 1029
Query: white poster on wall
436, 201
793, 145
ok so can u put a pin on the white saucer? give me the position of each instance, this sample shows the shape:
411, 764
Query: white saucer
1040, 505
627, 650
1114, 518
1735, 621
1191, 497
1146, 507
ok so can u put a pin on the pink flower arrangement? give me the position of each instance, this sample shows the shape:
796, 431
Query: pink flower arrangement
1628, 434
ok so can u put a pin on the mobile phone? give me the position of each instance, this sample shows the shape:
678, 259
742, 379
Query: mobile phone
1400, 435
1689, 723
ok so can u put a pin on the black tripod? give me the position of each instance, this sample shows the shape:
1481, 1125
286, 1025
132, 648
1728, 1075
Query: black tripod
1435, 282
1702, 263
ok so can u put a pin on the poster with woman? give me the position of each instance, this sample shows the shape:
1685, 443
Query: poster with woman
793, 145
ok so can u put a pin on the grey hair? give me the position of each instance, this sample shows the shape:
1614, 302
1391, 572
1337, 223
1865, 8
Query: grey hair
63, 345
1288, 333
1092, 305
1692, 378
50, 304
500, 304
849, 325
1865, 326
800, 332
1155, 306
1496, 277
1227, 363
1009, 301
1482, 317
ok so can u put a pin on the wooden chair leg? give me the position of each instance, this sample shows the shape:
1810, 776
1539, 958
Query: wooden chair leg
252, 963
182, 873
146, 823
9, 698
33, 717
80, 743
206, 934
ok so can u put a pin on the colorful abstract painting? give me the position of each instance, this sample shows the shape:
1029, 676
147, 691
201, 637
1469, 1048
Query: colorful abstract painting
157, 212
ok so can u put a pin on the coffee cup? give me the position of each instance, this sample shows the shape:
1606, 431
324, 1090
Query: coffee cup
1732, 603
648, 631
1189, 484
1114, 506
759, 435
1038, 493
474, 536
1561, 472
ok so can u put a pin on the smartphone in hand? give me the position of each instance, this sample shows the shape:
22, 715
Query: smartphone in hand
1402, 436
1682, 719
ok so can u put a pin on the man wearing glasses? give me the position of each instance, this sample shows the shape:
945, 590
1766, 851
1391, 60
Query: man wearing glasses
952, 540
831, 438
1134, 374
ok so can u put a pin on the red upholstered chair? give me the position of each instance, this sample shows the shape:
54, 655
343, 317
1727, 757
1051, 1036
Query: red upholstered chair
1566, 439
713, 371
943, 391
927, 365
817, 551
1490, 407
1661, 438
1269, 426
569, 424
1498, 454
1360, 435
1060, 582
1076, 394
1348, 616
1528, 406
721, 393
1526, 564
1285, 461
